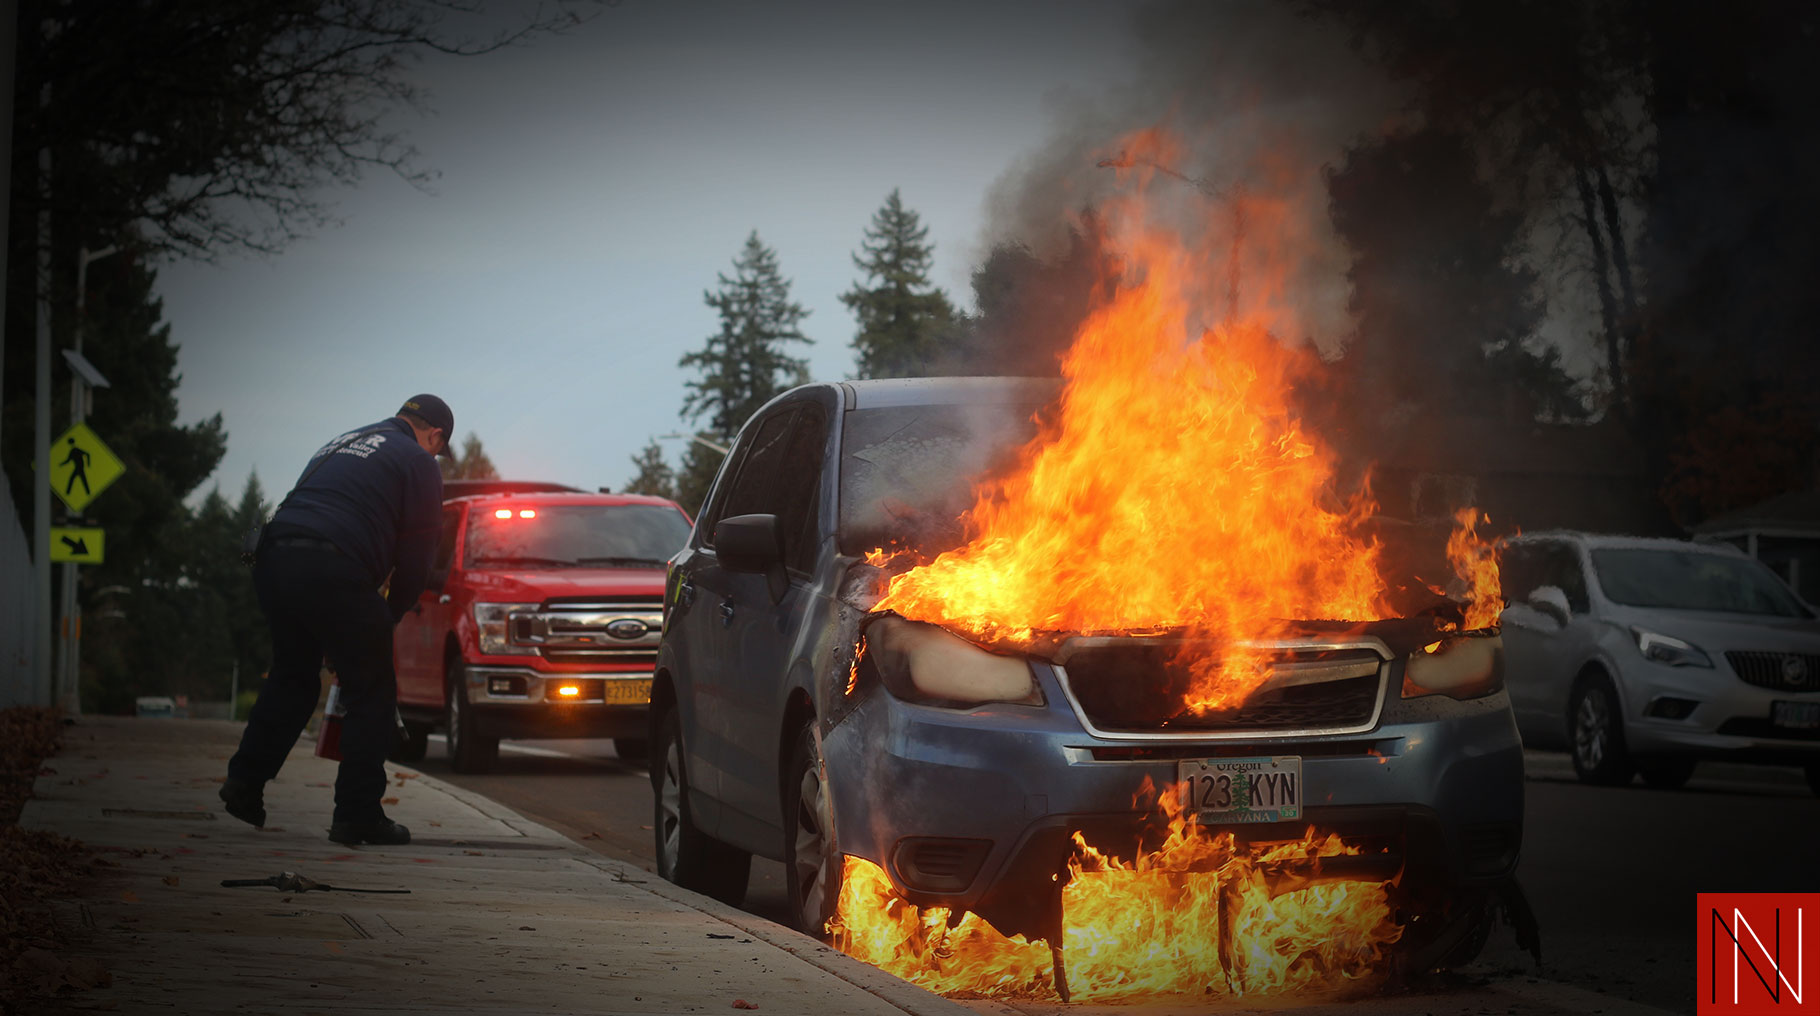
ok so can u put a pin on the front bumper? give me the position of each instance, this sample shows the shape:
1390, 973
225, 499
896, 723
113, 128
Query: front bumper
959, 806
520, 702
1730, 719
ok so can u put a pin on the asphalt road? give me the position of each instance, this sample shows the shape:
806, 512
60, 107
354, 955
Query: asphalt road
1611, 872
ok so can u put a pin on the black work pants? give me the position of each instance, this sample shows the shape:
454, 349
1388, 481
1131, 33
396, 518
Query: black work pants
320, 604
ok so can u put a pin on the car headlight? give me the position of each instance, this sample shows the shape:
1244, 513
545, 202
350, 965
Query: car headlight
1461, 667
493, 621
1666, 649
926, 663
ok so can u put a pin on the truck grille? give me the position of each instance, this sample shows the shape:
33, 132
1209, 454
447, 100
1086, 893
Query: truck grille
1777, 671
1138, 686
625, 630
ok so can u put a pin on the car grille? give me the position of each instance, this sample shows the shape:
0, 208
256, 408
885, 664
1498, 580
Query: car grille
1777, 671
1138, 687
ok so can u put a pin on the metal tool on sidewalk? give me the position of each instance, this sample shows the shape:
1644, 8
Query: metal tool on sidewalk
291, 882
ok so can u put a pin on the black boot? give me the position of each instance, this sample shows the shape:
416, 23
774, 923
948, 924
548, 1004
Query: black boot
384, 832
245, 801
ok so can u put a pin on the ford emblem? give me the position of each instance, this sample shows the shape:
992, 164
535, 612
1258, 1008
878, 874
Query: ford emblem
1794, 671
627, 628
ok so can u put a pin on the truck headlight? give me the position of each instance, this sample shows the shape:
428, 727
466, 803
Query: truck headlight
1666, 649
921, 662
494, 623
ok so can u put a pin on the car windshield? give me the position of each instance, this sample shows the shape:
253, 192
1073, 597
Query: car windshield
579, 536
1693, 580
907, 473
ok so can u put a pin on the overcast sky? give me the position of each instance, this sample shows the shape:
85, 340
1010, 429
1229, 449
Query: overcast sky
592, 186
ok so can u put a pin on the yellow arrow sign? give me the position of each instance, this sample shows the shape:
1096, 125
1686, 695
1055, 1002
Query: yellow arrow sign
77, 545
81, 467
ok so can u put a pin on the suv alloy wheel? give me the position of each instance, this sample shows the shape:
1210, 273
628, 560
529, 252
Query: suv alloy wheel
812, 866
469, 752
1595, 733
686, 855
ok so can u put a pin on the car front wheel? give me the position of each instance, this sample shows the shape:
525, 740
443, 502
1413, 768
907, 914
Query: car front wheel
469, 750
812, 865
686, 855
1595, 730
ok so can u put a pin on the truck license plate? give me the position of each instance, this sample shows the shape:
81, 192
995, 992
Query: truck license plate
1795, 715
626, 692
1242, 789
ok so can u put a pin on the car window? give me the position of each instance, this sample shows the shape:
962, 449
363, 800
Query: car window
445, 543
1692, 580
1559, 566
509, 535
1519, 572
907, 473
781, 476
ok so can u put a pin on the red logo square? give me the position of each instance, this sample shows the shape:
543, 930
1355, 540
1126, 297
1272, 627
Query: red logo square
1755, 949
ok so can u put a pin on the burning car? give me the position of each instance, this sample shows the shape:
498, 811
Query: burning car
839, 689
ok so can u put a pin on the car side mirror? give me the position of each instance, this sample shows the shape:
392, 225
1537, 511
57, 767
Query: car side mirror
752, 544
1550, 600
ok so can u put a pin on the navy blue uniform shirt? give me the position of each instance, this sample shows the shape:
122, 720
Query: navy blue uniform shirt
378, 498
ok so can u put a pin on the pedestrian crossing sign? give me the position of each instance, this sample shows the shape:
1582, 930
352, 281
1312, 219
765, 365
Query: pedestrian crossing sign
84, 545
81, 467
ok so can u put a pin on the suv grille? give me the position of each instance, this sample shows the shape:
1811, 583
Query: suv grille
1777, 671
1138, 687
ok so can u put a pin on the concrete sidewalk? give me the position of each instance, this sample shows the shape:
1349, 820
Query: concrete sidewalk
503, 915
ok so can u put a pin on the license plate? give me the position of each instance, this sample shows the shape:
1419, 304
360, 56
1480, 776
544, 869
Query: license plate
1795, 715
1242, 789
626, 692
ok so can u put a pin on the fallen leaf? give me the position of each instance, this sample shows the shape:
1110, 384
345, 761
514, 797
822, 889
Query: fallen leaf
170, 880
526, 927
129, 897
644, 827
474, 853
437, 824
334, 947
740, 1003
591, 836
388, 800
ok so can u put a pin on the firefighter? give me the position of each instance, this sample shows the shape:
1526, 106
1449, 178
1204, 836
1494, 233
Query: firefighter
367, 505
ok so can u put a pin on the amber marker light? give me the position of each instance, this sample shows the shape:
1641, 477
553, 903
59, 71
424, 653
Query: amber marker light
568, 690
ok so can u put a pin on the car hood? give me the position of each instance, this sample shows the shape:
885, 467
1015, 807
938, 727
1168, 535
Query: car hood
534, 586
1715, 632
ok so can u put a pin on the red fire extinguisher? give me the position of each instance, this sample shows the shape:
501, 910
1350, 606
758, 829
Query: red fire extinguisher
328, 735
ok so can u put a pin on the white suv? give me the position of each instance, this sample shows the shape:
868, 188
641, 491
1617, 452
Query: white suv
1647, 655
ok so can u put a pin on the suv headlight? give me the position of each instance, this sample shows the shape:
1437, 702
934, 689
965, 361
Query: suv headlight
493, 621
1461, 667
927, 663
1666, 649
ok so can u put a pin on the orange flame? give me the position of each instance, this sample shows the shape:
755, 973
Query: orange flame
1477, 567
1198, 914
1174, 486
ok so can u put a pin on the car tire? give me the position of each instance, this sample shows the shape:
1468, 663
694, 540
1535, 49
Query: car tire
469, 750
686, 855
632, 750
1595, 734
413, 746
813, 867
1666, 772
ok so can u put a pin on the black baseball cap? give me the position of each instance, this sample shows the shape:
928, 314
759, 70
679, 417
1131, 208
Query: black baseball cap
436, 413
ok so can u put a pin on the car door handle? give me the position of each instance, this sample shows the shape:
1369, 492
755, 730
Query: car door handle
726, 613
685, 593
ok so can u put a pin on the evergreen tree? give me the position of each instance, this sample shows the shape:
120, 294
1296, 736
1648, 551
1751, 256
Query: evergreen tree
744, 364
654, 475
471, 464
906, 325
